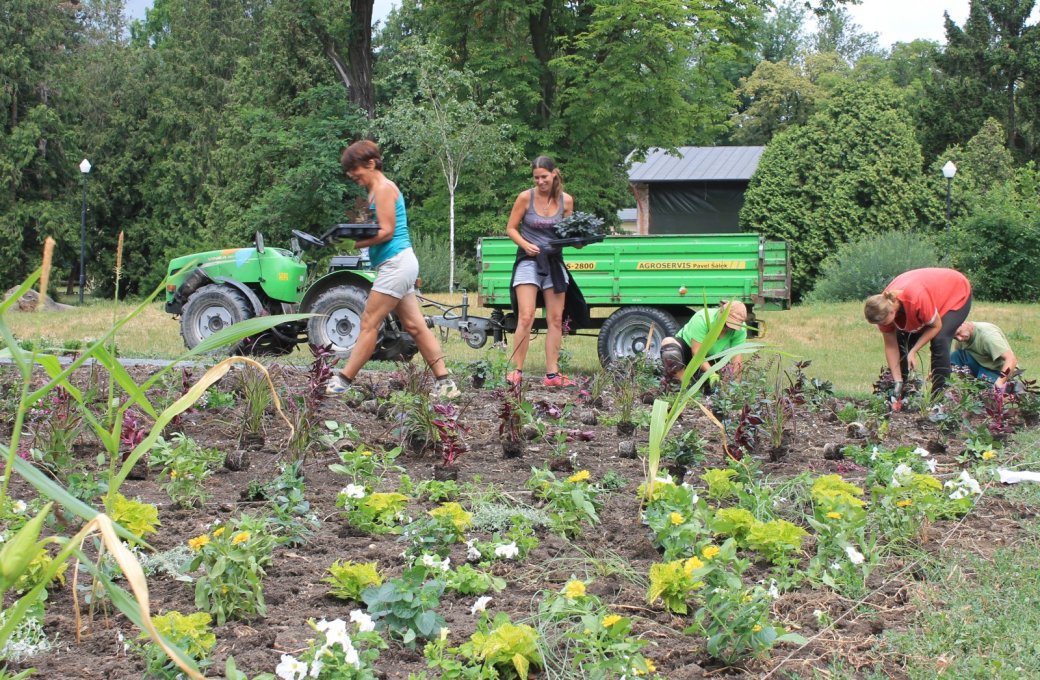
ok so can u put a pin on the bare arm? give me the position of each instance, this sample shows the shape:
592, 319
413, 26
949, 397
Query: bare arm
1010, 364
516, 215
927, 333
385, 195
892, 356
568, 205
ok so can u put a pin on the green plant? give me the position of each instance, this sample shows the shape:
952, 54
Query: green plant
437, 491
734, 619
686, 450
185, 468
56, 422
720, 483
405, 606
674, 583
216, 399
291, 516
572, 501
466, 580
679, 520
511, 649
191, 633
252, 385
348, 579
377, 513
27, 640
233, 558
138, 517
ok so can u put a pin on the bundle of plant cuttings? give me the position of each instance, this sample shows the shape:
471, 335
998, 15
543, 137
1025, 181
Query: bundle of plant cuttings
579, 225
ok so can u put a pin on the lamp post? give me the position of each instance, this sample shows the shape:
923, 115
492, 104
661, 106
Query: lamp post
948, 171
84, 168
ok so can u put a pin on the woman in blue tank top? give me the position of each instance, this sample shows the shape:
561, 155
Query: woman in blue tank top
393, 291
532, 224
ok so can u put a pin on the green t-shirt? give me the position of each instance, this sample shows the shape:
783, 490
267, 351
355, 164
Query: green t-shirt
696, 329
986, 344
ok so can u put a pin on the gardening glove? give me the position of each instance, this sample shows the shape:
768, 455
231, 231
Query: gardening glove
713, 380
897, 391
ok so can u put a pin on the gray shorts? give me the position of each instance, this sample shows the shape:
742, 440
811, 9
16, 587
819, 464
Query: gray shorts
527, 273
396, 277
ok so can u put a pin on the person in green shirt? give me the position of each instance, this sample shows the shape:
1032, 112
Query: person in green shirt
984, 350
678, 351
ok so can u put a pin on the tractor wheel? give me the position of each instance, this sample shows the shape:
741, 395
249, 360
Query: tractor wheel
337, 320
625, 333
210, 309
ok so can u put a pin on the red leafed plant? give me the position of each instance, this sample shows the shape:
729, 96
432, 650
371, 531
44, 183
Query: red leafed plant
450, 432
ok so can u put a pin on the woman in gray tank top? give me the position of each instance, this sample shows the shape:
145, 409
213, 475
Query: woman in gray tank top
532, 225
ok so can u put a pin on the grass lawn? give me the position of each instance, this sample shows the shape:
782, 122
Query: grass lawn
843, 347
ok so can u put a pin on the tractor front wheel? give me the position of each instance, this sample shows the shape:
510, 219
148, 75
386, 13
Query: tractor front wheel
210, 309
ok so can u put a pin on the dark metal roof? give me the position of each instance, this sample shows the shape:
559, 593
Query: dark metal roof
697, 163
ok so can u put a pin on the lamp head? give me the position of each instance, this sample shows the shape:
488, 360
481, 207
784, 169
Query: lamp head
949, 170
84, 166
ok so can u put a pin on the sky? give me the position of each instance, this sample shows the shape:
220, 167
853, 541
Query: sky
893, 20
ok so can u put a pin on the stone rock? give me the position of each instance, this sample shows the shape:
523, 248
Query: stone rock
29, 301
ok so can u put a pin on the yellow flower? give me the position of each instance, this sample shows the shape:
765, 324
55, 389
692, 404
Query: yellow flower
574, 589
240, 537
610, 619
904, 503
197, 542
650, 668
692, 564
746, 598
677, 519
986, 455
756, 628
173, 474
579, 476
711, 551
218, 532
834, 515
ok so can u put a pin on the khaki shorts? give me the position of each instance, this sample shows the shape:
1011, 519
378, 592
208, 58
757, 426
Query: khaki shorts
396, 277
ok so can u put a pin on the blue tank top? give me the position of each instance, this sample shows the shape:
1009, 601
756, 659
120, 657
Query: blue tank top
400, 242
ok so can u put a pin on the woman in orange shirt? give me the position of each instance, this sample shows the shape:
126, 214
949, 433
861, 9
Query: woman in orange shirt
919, 307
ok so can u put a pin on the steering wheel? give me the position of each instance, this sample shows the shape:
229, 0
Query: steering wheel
308, 239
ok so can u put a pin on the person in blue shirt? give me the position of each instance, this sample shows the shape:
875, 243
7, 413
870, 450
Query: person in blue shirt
393, 291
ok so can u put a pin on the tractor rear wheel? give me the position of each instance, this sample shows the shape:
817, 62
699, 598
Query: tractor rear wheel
337, 320
626, 333
210, 309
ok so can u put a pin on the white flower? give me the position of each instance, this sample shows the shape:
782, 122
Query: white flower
664, 479
316, 667
964, 485
508, 551
818, 614
480, 605
351, 655
472, 554
932, 465
353, 491
335, 633
363, 620
855, 556
18, 507
774, 592
902, 474
431, 562
923, 453
835, 566
291, 668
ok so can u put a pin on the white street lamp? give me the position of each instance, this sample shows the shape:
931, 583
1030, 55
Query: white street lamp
84, 168
948, 171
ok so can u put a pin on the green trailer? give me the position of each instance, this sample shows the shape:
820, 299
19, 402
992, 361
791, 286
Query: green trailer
652, 285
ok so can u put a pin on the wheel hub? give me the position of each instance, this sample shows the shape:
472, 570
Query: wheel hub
213, 320
343, 327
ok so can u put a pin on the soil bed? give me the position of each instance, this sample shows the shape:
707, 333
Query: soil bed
616, 554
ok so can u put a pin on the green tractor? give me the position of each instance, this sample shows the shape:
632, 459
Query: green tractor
217, 288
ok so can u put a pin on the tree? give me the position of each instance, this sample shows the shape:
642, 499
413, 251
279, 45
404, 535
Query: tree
778, 96
989, 69
838, 32
853, 169
450, 115
781, 35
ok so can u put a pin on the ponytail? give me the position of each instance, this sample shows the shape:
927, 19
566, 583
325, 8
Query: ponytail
878, 307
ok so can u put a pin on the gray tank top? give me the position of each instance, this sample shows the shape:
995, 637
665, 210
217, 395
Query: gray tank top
538, 229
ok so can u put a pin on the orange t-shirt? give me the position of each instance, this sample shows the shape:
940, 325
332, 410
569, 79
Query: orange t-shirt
925, 294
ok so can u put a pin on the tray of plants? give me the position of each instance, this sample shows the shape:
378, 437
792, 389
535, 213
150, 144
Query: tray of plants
351, 231
577, 230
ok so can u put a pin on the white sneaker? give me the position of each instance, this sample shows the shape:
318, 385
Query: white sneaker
445, 389
337, 385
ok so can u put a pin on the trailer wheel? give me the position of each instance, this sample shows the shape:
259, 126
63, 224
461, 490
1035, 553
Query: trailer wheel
625, 332
210, 309
337, 320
